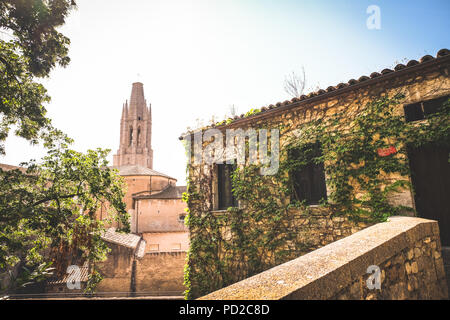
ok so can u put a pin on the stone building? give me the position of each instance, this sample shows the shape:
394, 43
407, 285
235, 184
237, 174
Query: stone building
153, 199
159, 239
135, 131
425, 85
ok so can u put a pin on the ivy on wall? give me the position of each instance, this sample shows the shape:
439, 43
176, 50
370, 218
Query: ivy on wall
265, 230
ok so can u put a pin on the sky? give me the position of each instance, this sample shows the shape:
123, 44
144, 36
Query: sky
198, 58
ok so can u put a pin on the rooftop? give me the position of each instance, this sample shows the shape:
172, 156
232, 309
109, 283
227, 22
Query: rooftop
136, 170
441, 56
8, 167
128, 240
170, 192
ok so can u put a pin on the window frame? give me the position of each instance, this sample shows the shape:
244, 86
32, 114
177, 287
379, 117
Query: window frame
420, 110
221, 204
315, 177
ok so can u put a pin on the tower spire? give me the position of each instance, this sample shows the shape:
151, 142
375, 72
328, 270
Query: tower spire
137, 100
135, 131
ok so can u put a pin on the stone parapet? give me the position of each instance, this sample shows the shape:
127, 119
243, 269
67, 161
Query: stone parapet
406, 250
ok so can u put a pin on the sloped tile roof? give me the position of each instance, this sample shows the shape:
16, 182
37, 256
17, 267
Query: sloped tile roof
8, 167
441, 54
128, 240
136, 170
84, 276
170, 192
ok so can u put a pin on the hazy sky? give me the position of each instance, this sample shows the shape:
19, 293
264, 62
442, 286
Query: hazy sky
197, 58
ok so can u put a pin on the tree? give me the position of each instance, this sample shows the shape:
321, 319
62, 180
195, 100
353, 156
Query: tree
47, 210
48, 213
35, 47
294, 85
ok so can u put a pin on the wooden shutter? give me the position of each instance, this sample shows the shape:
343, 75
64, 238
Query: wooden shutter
226, 196
309, 181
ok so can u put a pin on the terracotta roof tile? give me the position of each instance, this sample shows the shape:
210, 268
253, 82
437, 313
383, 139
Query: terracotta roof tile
399, 67
426, 58
443, 52
363, 78
136, 170
170, 192
84, 276
412, 63
128, 240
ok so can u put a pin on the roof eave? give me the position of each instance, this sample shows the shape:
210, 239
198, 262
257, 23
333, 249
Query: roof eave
271, 112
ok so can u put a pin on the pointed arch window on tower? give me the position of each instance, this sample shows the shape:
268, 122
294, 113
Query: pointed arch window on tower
138, 135
131, 136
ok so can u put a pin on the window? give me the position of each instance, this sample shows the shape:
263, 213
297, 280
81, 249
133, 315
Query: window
224, 187
153, 247
131, 136
181, 217
138, 135
308, 181
420, 110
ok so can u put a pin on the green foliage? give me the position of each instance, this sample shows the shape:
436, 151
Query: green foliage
359, 179
252, 112
48, 213
35, 47
263, 231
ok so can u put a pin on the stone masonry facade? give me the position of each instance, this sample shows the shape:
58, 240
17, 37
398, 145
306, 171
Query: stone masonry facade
135, 131
414, 273
406, 250
418, 81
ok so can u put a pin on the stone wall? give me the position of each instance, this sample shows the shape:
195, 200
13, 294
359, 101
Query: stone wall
318, 227
413, 273
161, 272
418, 83
406, 250
158, 273
166, 241
117, 270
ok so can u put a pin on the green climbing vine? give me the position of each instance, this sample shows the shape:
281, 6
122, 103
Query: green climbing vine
267, 229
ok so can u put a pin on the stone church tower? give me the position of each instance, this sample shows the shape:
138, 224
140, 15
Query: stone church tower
135, 131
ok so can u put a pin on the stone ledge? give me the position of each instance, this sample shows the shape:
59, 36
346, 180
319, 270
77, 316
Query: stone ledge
158, 253
321, 274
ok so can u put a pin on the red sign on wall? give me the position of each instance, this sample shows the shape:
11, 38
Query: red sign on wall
387, 152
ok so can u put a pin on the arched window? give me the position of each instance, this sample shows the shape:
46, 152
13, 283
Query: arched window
138, 135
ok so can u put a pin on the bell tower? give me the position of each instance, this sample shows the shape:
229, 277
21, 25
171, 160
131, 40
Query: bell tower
135, 146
